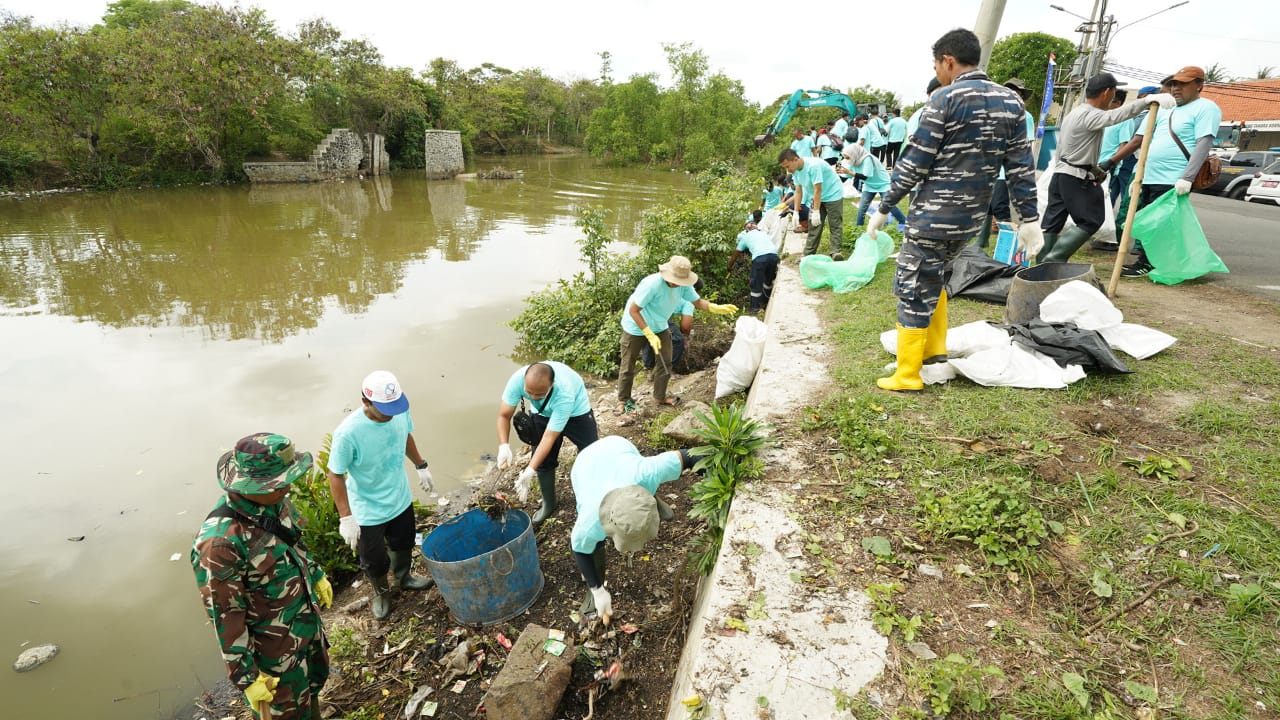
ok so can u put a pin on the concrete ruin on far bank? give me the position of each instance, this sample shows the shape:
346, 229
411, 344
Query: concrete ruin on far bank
342, 154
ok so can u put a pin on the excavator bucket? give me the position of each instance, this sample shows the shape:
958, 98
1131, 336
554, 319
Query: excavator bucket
765, 139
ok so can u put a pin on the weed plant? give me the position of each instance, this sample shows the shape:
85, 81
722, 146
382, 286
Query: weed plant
996, 516
311, 495
729, 456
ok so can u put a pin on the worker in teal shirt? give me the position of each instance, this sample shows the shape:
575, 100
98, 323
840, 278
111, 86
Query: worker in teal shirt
877, 182
802, 143
827, 193
654, 300
897, 135
616, 491
559, 407
764, 262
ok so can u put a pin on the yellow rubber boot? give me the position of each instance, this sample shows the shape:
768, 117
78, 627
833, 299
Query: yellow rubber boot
935, 341
910, 357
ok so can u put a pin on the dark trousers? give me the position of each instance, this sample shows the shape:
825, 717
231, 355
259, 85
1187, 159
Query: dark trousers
895, 151
630, 346
829, 212
1121, 177
581, 429
677, 348
1146, 197
396, 534
1080, 199
764, 270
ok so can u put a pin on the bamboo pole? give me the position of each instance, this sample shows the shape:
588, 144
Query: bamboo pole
1135, 192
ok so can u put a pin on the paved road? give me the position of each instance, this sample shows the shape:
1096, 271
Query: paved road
1247, 238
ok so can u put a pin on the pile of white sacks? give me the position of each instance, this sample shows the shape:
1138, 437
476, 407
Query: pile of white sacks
988, 356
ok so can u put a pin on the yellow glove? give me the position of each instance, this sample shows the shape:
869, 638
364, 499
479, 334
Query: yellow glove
715, 309
324, 591
654, 342
262, 690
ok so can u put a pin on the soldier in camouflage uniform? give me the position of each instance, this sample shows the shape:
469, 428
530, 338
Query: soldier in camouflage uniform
970, 128
260, 588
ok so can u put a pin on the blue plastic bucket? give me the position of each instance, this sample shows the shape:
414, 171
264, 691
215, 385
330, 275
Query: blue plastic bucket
487, 570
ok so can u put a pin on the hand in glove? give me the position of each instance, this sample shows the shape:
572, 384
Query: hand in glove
1030, 238
504, 456
604, 603
523, 483
1164, 100
654, 341
349, 529
1182, 187
876, 222
262, 690
1106, 166
424, 479
324, 591
726, 309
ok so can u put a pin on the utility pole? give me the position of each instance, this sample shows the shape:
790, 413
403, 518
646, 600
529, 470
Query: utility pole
987, 27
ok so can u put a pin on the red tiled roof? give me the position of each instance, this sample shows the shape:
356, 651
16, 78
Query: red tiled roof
1252, 100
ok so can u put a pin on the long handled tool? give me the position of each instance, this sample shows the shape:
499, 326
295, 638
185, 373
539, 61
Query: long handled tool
1135, 191
264, 710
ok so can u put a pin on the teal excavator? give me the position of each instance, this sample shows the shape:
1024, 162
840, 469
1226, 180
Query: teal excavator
812, 98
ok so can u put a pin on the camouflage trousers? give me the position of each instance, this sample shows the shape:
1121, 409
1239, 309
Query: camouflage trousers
924, 266
301, 678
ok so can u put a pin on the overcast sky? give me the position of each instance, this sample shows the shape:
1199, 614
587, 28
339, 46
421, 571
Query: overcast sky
772, 48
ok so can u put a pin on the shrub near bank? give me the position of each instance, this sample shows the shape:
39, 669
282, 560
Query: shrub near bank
576, 320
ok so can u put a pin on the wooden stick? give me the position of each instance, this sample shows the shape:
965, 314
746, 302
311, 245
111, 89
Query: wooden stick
1141, 599
1135, 192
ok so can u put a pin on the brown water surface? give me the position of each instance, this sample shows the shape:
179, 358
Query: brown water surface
143, 332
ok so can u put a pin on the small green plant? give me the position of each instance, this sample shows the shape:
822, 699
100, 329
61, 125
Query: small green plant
886, 617
344, 646
996, 516
733, 440
1159, 466
956, 683
859, 425
314, 501
1243, 600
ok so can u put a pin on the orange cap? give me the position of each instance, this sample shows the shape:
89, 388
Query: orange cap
1189, 73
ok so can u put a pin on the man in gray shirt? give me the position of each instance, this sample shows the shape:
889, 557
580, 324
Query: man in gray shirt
1074, 189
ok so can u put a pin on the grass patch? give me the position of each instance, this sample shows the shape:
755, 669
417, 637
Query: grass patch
1141, 513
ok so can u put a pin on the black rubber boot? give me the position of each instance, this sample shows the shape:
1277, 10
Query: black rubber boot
547, 484
381, 596
1068, 242
984, 234
589, 603
402, 567
1050, 240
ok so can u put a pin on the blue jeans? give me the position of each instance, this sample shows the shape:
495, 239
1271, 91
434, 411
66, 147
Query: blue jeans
867, 197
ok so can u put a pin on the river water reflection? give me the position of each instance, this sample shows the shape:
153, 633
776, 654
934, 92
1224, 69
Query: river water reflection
144, 331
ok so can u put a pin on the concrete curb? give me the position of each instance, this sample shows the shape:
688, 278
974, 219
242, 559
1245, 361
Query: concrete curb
809, 641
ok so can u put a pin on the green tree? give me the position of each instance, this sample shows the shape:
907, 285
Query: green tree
1266, 72
132, 14
1217, 73
1026, 57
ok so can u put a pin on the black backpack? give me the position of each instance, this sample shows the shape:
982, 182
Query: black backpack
851, 136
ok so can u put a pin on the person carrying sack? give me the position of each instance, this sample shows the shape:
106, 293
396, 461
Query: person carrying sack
561, 408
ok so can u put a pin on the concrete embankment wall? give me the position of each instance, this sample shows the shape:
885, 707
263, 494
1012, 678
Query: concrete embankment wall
809, 640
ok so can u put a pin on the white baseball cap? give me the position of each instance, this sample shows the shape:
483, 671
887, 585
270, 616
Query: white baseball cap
382, 389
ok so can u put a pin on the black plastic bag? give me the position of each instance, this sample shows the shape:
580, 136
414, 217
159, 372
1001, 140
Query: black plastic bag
1068, 345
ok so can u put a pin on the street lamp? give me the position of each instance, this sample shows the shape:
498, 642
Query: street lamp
1059, 8
1135, 22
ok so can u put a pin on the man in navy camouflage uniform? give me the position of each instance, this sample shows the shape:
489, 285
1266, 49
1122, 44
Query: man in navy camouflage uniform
969, 130
261, 590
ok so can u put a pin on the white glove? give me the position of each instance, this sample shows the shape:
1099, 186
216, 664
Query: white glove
876, 222
1182, 187
1030, 238
604, 603
349, 529
504, 456
424, 479
1164, 100
523, 482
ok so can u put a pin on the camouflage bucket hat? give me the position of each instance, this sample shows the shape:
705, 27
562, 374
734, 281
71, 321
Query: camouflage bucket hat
262, 463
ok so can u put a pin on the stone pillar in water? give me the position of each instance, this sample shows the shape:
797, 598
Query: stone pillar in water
443, 152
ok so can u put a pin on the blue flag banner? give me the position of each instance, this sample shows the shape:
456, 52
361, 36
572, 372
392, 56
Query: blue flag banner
1048, 96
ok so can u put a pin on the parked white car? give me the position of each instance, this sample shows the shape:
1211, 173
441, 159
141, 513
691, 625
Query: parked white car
1265, 187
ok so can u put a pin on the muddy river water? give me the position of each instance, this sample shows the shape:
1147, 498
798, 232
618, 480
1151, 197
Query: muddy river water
143, 332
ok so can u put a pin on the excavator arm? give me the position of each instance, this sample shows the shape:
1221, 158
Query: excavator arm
804, 98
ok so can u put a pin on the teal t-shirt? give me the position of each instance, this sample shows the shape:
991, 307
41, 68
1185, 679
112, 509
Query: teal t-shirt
914, 123
875, 138
840, 128
657, 301
877, 177
803, 146
897, 129
825, 149
606, 465
816, 171
1165, 161
371, 455
772, 197
1114, 136
568, 395
757, 242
